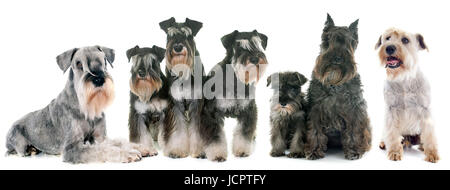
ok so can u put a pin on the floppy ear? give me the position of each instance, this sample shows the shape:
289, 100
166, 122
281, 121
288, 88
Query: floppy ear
263, 39
228, 40
195, 26
65, 59
159, 52
132, 52
302, 79
354, 28
422, 44
269, 80
109, 54
329, 23
378, 43
167, 23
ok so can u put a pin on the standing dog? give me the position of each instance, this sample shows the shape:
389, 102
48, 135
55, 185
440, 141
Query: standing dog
148, 96
180, 135
337, 112
407, 96
287, 114
234, 81
74, 123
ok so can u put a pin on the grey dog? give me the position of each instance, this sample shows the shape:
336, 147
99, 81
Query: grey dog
287, 114
74, 123
337, 113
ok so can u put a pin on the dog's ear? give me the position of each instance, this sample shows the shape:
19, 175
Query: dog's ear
354, 28
166, 24
159, 52
269, 80
228, 40
132, 52
422, 44
302, 79
195, 26
109, 54
65, 59
329, 23
263, 39
378, 43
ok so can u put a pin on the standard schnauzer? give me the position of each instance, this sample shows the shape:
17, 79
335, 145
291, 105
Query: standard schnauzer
234, 81
337, 114
407, 96
180, 135
288, 115
148, 96
74, 123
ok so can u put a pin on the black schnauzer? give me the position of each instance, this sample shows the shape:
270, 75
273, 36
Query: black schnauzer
148, 96
180, 136
288, 115
232, 83
337, 114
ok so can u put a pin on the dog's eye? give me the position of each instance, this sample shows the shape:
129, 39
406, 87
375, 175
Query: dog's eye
79, 65
388, 38
405, 40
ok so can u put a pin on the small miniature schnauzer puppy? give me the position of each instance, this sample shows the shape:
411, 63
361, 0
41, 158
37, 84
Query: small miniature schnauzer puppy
74, 123
148, 96
287, 114
184, 70
337, 114
234, 82
407, 96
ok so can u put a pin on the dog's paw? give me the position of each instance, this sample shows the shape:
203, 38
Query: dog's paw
432, 156
199, 156
219, 159
276, 153
296, 155
241, 154
131, 156
382, 145
315, 155
395, 155
176, 155
353, 156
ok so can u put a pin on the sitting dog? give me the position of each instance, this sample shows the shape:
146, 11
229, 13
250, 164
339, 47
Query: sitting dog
180, 135
337, 114
74, 123
407, 96
232, 83
287, 114
148, 96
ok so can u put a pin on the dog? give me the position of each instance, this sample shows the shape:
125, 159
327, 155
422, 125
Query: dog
148, 96
287, 114
337, 111
407, 96
180, 135
74, 123
232, 83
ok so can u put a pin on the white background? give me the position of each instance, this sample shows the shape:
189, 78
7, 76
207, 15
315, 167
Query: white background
33, 33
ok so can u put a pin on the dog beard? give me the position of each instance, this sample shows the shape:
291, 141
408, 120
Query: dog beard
249, 73
93, 100
145, 88
286, 110
180, 63
334, 74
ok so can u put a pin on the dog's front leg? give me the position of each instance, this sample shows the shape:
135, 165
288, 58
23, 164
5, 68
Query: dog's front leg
428, 139
211, 132
356, 137
244, 133
278, 140
297, 147
140, 134
316, 140
392, 136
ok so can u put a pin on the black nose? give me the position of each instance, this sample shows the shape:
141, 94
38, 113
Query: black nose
98, 81
178, 48
337, 59
283, 103
390, 50
141, 73
254, 60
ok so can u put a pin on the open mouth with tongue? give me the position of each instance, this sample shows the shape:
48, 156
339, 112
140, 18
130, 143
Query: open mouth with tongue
393, 62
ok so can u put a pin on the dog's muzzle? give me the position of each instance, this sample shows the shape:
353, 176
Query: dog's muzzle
97, 78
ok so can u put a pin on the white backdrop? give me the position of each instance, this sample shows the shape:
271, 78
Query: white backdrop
33, 33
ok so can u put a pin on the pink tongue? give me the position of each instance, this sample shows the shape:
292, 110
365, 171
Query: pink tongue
392, 62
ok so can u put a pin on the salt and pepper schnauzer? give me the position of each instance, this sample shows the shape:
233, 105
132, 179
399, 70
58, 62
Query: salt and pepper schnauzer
74, 123
148, 96
407, 96
180, 136
287, 114
337, 114
234, 82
